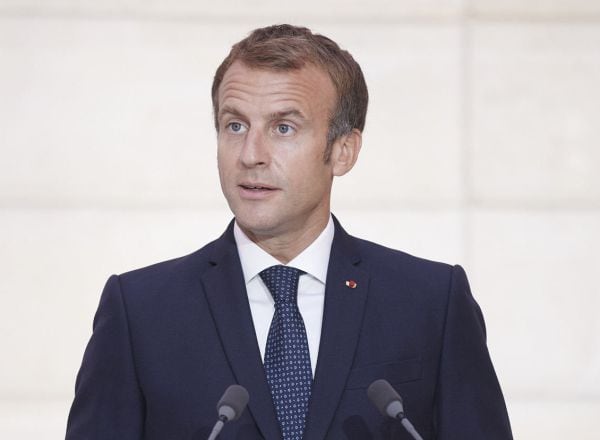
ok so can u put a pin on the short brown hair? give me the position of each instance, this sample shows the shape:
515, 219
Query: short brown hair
286, 47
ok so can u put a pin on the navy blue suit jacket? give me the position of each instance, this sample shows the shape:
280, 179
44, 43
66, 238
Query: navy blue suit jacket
169, 338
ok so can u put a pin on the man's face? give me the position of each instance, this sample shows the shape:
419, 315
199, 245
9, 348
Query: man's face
271, 143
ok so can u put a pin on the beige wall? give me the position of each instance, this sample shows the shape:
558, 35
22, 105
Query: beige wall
481, 148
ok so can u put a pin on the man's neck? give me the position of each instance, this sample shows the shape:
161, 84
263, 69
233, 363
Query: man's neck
286, 247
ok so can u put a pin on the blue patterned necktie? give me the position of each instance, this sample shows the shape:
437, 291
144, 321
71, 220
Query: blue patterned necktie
287, 359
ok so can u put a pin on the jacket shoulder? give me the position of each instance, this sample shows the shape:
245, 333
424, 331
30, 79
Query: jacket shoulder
384, 257
401, 268
181, 270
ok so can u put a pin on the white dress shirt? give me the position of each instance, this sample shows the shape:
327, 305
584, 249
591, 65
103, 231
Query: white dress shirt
313, 260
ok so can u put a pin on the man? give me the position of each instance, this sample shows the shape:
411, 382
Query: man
168, 339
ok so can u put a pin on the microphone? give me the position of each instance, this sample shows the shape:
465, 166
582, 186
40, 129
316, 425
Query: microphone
230, 407
389, 403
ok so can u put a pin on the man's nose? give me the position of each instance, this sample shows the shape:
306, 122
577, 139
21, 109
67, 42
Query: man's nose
255, 151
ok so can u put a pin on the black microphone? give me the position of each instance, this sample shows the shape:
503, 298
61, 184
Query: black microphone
389, 403
230, 407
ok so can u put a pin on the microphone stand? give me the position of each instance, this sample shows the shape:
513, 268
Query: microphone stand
408, 426
217, 428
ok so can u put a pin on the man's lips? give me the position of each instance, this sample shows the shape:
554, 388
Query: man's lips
256, 191
256, 186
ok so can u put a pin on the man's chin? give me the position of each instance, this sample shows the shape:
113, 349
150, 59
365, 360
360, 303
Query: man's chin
257, 227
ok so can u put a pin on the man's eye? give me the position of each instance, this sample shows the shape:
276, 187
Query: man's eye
284, 129
235, 127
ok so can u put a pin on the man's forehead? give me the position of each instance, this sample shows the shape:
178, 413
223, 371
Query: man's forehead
308, 85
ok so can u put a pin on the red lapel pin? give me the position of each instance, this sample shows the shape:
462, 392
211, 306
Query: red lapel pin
351, 283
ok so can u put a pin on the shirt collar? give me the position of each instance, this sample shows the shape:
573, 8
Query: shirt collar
313, 260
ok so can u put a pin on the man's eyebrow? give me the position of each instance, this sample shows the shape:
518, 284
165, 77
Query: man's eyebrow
287, 113
229, 111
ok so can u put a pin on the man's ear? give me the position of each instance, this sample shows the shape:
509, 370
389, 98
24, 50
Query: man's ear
345, 152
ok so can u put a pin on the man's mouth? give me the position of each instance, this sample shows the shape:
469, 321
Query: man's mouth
257, 187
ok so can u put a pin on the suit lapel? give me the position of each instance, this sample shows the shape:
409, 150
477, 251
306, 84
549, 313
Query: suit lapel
228, 300
342, 321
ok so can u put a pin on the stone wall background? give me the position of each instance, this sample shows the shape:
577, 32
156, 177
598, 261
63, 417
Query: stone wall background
481, 148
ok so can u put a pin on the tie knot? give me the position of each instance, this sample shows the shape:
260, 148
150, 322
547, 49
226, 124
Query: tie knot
282, 282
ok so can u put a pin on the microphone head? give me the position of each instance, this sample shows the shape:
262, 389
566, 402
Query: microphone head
385, 398
233, 402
